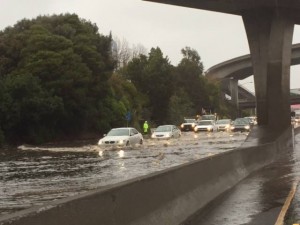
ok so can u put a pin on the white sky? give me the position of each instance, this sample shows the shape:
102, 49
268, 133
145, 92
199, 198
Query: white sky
216, 36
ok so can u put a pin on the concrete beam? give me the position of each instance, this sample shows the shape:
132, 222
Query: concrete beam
241, 67
233, 84
269, 26
270, 35
238, 7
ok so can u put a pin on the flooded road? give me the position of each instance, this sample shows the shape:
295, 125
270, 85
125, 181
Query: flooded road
259, 198
34, 175
293, 214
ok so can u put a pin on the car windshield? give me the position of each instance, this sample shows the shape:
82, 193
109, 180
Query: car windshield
205, 122
249, 119
241, 121
208, 117
223, 121
163, 129
189, 121
118, 132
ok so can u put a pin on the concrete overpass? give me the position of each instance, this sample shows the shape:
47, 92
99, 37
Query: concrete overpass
251, 103
238, 7
239, 68
269, 26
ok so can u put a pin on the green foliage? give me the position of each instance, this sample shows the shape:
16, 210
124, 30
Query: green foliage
191, 55
180, 106
173, 92
57, 81
54, 73
27, 109
190, 78
128, 97
153, 77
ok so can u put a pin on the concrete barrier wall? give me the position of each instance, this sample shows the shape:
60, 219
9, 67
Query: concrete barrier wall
297, 130
167, 198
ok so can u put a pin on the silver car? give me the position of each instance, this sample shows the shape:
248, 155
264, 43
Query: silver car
166, 132
124, 136
223, 125
241, 124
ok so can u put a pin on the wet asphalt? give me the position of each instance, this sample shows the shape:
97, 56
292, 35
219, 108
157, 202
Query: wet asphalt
258, 199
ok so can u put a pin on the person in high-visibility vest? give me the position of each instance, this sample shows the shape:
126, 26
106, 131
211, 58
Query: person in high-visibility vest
145, 127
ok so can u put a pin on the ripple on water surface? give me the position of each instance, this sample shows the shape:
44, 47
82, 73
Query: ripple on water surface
35, 175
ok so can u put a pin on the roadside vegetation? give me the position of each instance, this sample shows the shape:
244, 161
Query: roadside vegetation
60, 78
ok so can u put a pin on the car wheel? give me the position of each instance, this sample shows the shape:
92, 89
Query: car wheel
141, 141
127, 143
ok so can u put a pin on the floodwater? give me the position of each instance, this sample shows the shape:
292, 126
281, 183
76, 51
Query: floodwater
259, 198
293, 214
33, 175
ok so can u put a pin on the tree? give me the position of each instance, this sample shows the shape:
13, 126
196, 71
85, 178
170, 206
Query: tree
153, 77
190, 77
54, 72
138, 50
27, 111
123, 53
192, 55
180, 106
127, 99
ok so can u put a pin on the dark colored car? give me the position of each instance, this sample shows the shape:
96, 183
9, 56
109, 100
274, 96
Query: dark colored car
241, 124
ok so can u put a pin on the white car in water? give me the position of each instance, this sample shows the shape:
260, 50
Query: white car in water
205, 125
124, 136
166, 132
241, 124
223, 125
188, 125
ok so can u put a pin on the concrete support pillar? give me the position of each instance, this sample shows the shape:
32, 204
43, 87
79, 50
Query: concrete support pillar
270, 33
234, 92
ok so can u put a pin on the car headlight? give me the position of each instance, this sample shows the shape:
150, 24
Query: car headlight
121, 141
232, 127
209, 128
193, 125
181, 125
168, 135
247, 127
195, 129
152, 136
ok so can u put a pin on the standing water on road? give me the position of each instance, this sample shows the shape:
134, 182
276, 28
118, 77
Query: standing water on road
31, 176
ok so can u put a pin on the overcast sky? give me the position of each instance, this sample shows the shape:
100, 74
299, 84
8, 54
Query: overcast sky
216, 36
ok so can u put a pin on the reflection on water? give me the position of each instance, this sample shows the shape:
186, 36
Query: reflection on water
293, 215
35, 175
